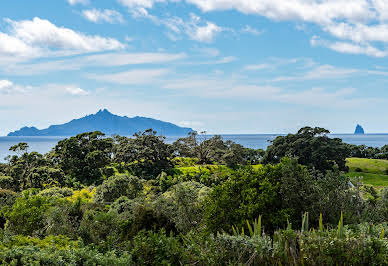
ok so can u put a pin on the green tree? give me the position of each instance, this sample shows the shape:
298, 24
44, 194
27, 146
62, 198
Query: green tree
31, 170
82, 157
312, 147
146, 154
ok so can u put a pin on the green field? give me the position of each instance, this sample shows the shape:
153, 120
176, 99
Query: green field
373, 171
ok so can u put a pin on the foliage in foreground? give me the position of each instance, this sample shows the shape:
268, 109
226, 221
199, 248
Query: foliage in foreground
132, 201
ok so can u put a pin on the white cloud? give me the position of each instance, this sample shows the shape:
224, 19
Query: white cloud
350, 48
132, 77
195, 28
42, 33
140, 3
74, 2
322, 72
259, 67
360, 21
99, 60
10, 45
319, 97
359, 33
381, 6
8, 87
41, 38
204, 33
250, 30
231, 88
106, 15
76, 91
328, 71
316, 11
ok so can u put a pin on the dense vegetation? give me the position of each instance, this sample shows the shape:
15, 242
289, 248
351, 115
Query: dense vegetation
96, 200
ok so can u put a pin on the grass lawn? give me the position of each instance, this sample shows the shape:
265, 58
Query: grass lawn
373, 171
372, 166
375, 180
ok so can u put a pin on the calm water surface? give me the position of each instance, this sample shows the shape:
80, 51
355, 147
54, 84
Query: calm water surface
45, 144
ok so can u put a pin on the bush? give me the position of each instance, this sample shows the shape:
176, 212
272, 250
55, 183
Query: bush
244, 196
183, 205
100, 228
56, 192
117, 186
84, 195
151, 248
32, 255
7, 197
7, 182
26, 216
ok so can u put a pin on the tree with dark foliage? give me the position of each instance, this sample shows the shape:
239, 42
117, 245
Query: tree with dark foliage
82, 157
146, 154
312, 147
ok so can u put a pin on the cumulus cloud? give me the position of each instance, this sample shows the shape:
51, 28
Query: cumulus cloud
106, 15
361, 22
39, 37
317, 11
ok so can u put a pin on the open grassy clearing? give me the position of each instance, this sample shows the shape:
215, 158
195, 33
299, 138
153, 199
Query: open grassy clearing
375, 180
373, 171
373, 166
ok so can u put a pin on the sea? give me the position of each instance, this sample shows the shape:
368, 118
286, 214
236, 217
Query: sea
254, 141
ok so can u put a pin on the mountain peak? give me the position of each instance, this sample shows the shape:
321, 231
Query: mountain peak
104, 111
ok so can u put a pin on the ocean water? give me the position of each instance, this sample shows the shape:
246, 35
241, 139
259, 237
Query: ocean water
255, 141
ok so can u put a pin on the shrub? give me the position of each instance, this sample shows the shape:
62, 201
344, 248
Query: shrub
244, 196
84, 195
32, 255
151, 248
117, 186
7, 197
26, 216
6, 182
183, 205
57, 192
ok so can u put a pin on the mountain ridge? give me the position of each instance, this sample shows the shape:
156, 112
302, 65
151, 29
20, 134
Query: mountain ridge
108, 123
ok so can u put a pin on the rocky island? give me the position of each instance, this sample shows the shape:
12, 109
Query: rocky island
108, 123
359, 130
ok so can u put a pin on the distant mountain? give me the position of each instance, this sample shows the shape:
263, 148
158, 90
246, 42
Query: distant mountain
107, 123
359, 130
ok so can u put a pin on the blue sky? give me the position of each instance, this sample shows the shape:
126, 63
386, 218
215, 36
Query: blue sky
224, 66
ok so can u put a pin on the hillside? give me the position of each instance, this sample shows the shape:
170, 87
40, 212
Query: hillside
107, 123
